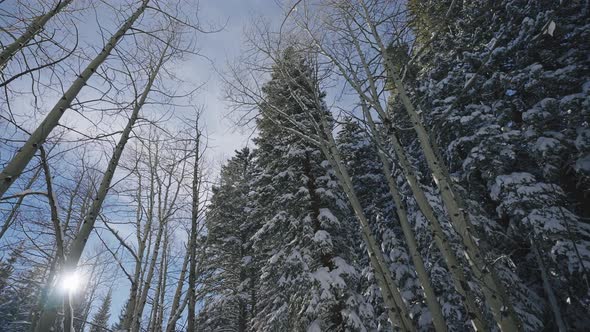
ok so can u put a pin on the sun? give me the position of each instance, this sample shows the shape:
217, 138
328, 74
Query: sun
70, 282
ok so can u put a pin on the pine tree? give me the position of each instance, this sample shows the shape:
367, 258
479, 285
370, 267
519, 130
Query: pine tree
360, 155
7, 301
309, 272
230, 256
512, 110
101, 317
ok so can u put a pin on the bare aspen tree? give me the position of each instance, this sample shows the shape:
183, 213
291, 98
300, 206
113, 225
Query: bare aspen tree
177, 307
441, 240
79, 242
22, 158
36, 25
409, 236
157, 303
162, 163
192, 245
394, 303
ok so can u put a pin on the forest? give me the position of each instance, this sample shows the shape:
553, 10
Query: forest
400, 165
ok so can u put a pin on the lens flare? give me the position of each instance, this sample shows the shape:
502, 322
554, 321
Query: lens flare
70, 282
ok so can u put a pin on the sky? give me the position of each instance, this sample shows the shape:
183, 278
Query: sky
221, 47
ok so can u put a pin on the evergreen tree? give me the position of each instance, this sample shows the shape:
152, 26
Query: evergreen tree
101, 317
360, 155
309, 272
508, 95
7, 301
230, 257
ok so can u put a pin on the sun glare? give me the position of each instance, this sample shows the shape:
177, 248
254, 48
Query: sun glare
70, 282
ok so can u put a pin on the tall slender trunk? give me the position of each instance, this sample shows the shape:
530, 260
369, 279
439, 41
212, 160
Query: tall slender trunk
431, 300
159, 294
130, 306
440, 238
68, 319
138, 312
32, 30
79, 242
423, 277
192, 276
14, 210
162, 299
175, 311
494, 291
19, 162
395, 306
548, 289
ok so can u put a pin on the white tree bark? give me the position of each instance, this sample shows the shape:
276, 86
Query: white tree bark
441, 240
176, 309
394, 304
392, 297
431, 300
192, 246
17, 164
494, 291
32, 30
79, 242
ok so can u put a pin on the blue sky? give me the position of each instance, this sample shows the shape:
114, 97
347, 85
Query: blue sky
222, 47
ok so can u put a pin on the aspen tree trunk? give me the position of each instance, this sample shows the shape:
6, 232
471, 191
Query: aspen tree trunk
160, 291
440, 238
22, 158
192, 276
140, 267
32, 30
79, 242
431, 300
13, 212
175, 309
59, 240
166, 200
456, 269
548, 289
396, 307
394, 303
59, 235
494, 291
130, 308
162, 299
137, 313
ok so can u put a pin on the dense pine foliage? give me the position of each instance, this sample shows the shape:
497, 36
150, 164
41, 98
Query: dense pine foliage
505, 97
